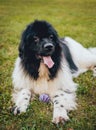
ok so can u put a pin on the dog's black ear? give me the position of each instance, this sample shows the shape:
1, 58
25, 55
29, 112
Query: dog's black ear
24, 43
21, 50
22, 46
68, 56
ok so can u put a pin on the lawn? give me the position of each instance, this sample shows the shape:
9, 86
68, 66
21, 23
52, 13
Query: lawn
77, 19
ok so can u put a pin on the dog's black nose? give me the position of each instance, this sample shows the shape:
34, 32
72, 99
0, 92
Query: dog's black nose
48, 47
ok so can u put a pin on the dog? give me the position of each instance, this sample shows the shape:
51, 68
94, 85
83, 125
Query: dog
46, 65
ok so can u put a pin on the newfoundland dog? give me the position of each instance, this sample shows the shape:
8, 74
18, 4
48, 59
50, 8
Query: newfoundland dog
46, 65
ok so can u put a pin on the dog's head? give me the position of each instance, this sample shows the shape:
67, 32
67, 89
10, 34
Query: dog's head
40, 43
39, 40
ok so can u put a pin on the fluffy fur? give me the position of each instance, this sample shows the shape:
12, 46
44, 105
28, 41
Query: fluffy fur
32, 75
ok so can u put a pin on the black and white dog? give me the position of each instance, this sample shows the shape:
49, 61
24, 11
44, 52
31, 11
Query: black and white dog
46, 65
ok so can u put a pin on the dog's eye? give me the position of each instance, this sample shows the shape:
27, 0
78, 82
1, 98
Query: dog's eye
36, 39
51, 37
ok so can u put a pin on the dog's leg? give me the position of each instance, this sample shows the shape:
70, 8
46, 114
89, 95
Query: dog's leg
94, 71
21, 100
63, 103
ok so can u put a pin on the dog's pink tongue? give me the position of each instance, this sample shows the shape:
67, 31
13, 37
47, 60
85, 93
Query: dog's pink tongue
48, 61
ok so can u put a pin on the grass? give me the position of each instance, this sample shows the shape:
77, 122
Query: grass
76, 18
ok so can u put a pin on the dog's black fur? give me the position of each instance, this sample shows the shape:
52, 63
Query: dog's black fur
35, 36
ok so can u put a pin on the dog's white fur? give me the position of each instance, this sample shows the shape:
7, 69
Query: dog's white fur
85, 59
61, 89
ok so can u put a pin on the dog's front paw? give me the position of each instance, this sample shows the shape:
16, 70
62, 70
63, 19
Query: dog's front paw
60, 116
94, 71
15, 110
60, 119
18, 110
21, 100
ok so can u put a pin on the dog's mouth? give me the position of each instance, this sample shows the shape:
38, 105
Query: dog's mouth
45, 53
47, 60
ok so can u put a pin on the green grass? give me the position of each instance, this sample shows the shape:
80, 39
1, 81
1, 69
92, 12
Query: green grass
76, 18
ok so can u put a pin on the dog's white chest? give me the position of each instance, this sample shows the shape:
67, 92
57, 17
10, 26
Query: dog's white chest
41, 84
43, 72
